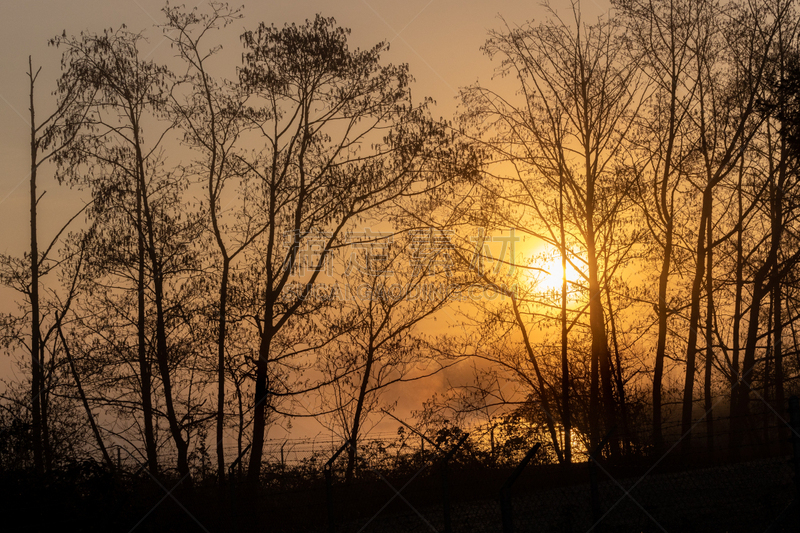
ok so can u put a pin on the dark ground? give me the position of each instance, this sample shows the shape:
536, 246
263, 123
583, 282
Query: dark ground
755, 495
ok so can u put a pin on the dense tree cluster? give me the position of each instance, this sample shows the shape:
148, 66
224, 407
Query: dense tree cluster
610, 226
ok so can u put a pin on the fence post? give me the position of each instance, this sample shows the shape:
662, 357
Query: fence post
328, 471
448, 527
794, 420
506, 510
597, 512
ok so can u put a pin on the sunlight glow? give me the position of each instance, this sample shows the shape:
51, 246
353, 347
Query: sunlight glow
551, 281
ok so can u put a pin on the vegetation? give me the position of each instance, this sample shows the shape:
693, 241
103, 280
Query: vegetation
602, 244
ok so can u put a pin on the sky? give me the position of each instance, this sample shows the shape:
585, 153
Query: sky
439, 39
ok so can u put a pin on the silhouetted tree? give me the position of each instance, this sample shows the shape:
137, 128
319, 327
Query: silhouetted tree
568, 134
394, 283
48, 139
339, 137
666, 37
132, 192
768, 39
211, 116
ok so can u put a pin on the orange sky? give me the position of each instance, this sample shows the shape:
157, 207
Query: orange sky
440, 39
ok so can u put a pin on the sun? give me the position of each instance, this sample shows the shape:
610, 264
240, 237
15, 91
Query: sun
542, 272
552, 276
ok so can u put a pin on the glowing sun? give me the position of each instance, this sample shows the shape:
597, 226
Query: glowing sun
552, 278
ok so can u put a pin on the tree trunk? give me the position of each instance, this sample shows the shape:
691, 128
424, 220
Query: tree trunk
181, 444
95, 430
362, 393
144, 362
765, 380
777, 350
542, 385
240, 432
739, 409
694, 323
566, 421
661, 344
260, 403
737, 307
709, 401
626, 436
223, 311
36, 370
162, 355
601, 357
47, 450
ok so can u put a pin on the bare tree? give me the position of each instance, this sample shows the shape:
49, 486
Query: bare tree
211, 115
48, 139
112, 157
579, 103
667, 35
394, 284
771, 31
340, 137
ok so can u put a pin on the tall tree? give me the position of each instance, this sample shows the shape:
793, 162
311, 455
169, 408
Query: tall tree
339, 137
580, 101
665, 35
770, 40
112, 157
723, 133
210, 114
48, 139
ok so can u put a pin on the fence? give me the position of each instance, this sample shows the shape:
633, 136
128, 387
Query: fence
672, 491
454, 485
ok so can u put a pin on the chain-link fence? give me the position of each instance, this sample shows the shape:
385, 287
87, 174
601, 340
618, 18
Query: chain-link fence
456, 482
722, 482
